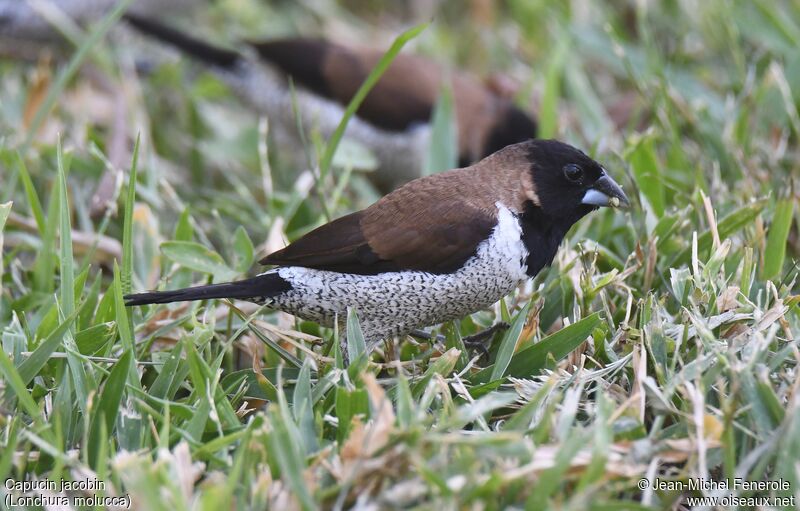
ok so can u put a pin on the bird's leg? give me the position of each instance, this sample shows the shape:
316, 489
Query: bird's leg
478, 341
473, 342
426, 336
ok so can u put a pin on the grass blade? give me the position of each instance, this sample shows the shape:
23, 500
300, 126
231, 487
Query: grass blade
443, 149
30, 192
77, 370
243, 250
67, 261
373, 77
356, 345
169, 371
548, 113
43, 267
198, 258
31, 366
645, 166
775, 252
532, 359
5, 209
509, 343
14, 381
442, 365
284, 450
105, 414
732, 223
127, 229
302, 405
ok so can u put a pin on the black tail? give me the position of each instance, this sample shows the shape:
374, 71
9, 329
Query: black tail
195, 48
263, 286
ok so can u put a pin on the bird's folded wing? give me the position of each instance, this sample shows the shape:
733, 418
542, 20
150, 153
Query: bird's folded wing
436, 237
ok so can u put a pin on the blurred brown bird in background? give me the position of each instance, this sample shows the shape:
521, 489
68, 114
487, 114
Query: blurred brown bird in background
394, 119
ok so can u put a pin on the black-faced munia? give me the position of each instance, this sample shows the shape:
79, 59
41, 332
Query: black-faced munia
439, 248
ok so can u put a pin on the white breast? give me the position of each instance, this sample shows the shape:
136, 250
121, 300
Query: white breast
395, 303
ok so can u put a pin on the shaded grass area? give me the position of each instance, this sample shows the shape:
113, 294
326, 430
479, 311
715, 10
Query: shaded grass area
660, 345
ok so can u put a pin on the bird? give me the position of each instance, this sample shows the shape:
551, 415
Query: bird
436, 249
394, 119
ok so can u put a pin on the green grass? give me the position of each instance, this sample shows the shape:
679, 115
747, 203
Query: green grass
662, 342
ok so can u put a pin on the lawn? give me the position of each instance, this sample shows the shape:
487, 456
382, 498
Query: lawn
654, 362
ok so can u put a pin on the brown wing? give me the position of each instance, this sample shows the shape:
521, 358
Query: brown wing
424, 227
336, 246
404, 95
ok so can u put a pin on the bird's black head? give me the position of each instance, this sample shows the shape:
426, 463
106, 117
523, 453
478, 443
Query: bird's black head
511, 127
569, 184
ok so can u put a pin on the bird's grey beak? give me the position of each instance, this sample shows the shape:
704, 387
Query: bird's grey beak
606, 192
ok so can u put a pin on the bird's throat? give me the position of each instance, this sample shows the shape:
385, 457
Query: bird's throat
542, 234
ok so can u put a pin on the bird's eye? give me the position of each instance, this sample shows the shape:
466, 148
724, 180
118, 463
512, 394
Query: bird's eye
573, 172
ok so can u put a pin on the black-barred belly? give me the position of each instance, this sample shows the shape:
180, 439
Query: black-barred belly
395, 303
